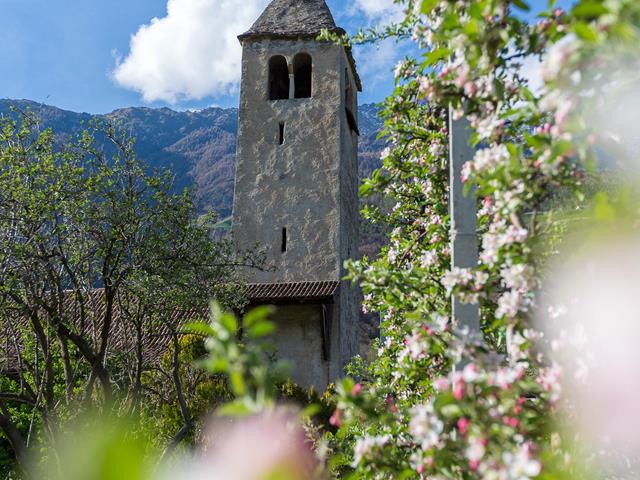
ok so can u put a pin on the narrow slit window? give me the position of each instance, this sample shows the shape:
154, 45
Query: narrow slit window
281, 136
284, 240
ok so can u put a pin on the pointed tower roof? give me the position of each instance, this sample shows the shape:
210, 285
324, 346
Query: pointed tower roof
293, 18
297, 19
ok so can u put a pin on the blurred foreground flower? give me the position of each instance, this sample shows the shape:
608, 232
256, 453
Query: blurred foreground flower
268, 446
593, 330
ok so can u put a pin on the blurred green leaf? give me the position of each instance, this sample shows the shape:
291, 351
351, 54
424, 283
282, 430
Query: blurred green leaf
256, 315
236, 408
262, 329
585, 31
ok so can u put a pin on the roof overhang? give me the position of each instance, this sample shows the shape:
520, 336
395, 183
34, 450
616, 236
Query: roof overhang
292, 293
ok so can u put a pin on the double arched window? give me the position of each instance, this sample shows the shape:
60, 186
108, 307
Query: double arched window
279, 82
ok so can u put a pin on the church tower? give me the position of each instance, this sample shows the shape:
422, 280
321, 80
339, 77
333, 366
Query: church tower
296, 191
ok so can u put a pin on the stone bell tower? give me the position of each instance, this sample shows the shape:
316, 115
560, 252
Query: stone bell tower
296, 190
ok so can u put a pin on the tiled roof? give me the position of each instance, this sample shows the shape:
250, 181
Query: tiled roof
299, 291
156, 334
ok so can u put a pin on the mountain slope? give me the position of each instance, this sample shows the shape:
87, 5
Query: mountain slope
198, 147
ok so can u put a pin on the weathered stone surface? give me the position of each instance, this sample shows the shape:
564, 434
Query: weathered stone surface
307, 185
299, 339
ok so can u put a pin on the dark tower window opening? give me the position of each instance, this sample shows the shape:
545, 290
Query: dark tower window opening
302, 68
278, 78
348, 90
284, 240
281, 138
349, 103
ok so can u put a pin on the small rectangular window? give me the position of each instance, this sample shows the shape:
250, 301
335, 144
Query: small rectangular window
284, 240
281, 141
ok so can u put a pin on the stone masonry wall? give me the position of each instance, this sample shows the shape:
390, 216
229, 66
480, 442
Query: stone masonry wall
308, 185
294, 185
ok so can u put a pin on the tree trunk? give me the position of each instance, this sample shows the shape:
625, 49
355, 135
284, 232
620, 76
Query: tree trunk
14, 436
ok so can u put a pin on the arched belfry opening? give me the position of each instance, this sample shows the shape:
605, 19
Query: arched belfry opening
278, 78
302, 69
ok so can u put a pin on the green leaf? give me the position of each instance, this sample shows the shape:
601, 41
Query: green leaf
262, 329
237, 383
229, 322
589, 9
237, 408
585, 32
215, 311
521, 5
436, 55
311, 410
427, 6
471, 28
218, 365
199, 328
602, 209
451, 411
256, 315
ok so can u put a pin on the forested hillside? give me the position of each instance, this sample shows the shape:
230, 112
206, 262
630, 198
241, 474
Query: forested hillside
197, 146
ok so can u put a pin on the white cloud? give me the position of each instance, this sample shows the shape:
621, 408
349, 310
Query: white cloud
378, 10
376, 62
191, 53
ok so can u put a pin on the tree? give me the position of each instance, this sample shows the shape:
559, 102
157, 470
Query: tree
97, 257
439, 401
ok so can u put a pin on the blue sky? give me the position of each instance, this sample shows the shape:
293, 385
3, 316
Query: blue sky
79, 55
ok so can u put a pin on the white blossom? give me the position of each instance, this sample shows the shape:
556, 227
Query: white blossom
490, 158
519, 276
365, 445
428, 259
425, 426
475, 449
522, 465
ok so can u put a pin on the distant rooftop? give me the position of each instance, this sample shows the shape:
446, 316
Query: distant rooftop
293, 18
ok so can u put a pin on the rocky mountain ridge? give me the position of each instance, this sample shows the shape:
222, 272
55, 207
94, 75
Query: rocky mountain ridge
197, 146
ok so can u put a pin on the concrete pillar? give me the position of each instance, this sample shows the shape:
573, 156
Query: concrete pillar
463, 212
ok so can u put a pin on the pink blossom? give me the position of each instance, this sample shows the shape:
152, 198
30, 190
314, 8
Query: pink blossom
276, 441
428, 258
442, 384
458, 390
425, 426
522, 465
491, 158
463, 425
510, 421
467, 170
470, 373
336, 418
